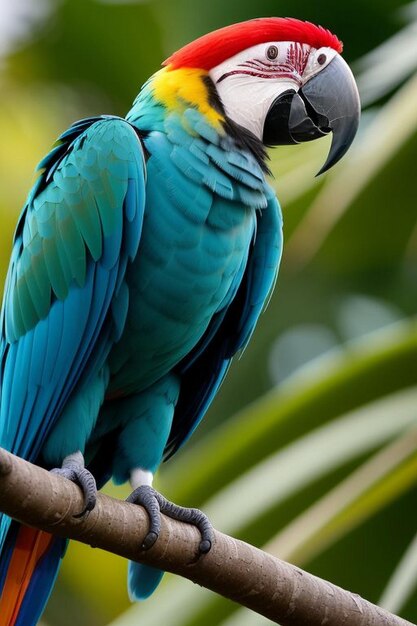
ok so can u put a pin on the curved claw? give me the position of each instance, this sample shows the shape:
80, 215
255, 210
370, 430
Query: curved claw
149, 540
146, 497
155, 504
73, 469
87, 482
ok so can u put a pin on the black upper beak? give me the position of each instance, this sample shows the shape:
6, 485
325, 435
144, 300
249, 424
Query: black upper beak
328, 102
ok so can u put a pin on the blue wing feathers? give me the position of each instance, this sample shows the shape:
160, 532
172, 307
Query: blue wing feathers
47, 348
67, 300
203, 371
262, 272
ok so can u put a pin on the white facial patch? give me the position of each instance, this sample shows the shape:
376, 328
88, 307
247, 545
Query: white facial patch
249, 82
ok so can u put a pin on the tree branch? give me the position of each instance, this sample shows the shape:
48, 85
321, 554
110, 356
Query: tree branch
281, 592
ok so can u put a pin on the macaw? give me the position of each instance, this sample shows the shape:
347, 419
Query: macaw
141, 262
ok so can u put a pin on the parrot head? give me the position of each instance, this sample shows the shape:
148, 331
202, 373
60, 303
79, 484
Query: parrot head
280, 79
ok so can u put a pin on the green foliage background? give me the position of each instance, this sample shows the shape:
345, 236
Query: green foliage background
310, 448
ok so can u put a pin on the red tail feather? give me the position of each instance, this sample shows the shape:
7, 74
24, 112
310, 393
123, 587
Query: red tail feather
31, 545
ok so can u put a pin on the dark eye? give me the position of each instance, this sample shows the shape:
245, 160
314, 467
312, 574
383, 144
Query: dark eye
321, 59
272, 53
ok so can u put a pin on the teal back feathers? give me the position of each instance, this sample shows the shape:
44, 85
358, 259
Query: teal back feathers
63, 309
141, 263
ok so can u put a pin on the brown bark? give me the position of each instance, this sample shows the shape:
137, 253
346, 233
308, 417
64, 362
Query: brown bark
281, 592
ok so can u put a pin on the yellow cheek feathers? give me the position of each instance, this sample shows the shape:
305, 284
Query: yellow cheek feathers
178, 89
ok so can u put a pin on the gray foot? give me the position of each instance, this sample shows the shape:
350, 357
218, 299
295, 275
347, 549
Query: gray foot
73, 469
155, 504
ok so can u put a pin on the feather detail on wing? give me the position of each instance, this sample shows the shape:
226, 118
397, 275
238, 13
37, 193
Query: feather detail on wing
203, 371
65, 296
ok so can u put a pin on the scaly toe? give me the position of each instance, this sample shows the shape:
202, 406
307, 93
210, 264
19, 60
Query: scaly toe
78, 474
190, 516
155, 504
147, 497
88, 485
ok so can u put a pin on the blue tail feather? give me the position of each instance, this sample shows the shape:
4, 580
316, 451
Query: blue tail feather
142, 580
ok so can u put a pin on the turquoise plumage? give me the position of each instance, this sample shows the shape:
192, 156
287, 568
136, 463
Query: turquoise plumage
141, 263
134, 279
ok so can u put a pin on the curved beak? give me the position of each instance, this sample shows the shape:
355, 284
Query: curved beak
328, 102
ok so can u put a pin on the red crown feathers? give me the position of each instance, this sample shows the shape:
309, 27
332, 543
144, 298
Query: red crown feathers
208, 51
